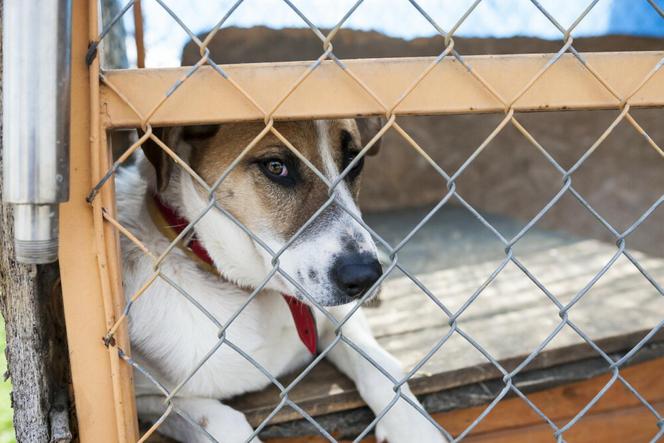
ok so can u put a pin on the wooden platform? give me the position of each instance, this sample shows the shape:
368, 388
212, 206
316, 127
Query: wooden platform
618, 417
452, 256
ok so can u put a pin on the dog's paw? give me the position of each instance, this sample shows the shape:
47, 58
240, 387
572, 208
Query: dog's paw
226, 425
404, 424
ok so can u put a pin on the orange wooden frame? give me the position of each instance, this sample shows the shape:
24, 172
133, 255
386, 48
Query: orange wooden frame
206, 97
89, 264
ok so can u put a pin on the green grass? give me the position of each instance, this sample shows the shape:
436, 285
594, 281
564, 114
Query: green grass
6, 429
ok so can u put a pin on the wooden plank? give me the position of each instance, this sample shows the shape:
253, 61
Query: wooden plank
327, 391
629, 425
90, 361
560, 404
617, 417
512, 316
510, 319
207, 97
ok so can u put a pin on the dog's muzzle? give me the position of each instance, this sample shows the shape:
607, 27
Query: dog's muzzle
354, 274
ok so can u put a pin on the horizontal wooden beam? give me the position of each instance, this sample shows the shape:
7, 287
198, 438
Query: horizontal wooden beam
329, 92
617, 416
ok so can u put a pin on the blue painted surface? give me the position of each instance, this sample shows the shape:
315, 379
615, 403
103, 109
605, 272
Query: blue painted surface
635, 17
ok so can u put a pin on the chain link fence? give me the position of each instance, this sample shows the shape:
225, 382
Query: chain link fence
390, 114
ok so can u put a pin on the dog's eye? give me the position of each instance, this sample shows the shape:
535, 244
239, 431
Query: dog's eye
278, 171
357, 167
276, 167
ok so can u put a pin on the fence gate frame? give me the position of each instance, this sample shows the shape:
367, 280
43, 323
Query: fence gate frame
91, 285
89, 243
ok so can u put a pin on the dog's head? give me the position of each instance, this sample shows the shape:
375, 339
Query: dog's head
275, 194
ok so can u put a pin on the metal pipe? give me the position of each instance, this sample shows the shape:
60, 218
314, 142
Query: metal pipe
36, 85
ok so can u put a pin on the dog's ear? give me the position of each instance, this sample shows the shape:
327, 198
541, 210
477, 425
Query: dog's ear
368, 128
161, 161
198, 132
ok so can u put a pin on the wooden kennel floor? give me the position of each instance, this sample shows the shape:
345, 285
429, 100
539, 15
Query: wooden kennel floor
453, 255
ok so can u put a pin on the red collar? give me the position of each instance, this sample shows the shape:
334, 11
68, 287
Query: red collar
303, 316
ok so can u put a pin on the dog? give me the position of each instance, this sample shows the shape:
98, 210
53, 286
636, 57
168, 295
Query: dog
332, 259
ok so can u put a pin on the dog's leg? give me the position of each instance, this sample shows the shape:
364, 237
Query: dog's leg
402, 423
223, 423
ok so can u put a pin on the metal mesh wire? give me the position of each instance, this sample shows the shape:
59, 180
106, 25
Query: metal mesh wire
622, 103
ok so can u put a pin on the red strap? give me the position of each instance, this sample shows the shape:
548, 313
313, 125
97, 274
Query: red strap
302, 314
178, 224
304, 322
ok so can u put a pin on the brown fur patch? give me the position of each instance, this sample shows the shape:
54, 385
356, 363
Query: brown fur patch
253, 198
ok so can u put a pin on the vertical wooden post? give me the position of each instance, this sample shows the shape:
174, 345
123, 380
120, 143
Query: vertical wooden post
138, 35
104, 406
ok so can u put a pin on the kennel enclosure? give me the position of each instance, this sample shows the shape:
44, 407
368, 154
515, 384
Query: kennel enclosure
467, 392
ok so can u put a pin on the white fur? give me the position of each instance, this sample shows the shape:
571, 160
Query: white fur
321, 248
170, 335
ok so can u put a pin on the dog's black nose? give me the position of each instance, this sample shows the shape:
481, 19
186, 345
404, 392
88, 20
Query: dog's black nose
355, 273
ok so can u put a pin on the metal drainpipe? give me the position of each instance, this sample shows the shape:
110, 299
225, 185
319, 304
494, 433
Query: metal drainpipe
36, 43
